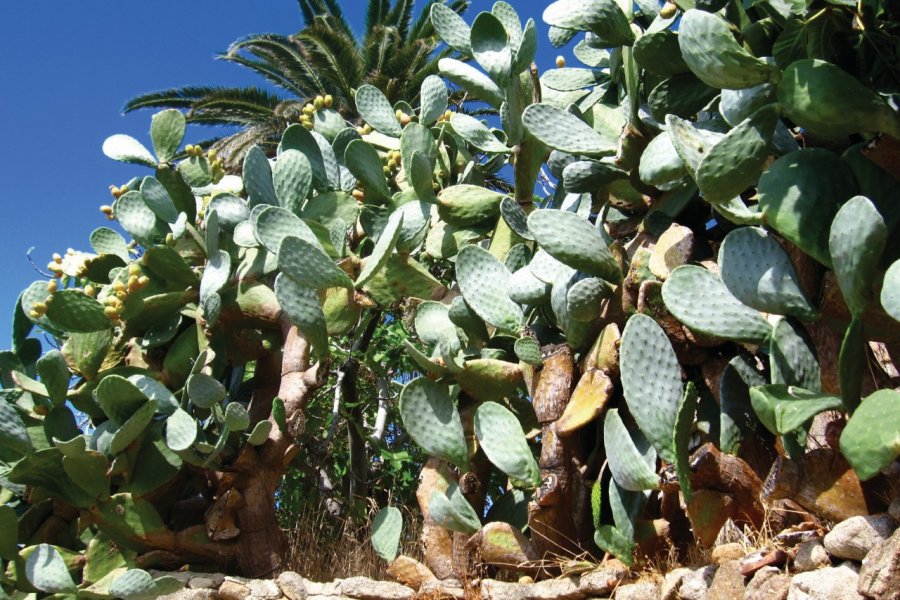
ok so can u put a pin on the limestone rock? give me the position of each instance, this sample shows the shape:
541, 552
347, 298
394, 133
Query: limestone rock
696, 584
553, 589
328, 588
673, 249
292, 585
727, 552
728, 582
500, 590
233, 590
811, 555
669, 588
603, 581
263, 589
832, 583
208, 581
442, 590
853, 538
409, 572
638, 591
191, 594
769, 583
879, 576
369, 589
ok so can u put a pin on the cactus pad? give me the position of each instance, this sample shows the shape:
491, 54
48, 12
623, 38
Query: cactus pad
572, 240
857, 240
274, 223
491, 47
304, 309
632, 467
432, 420
377, 111
386, 529
47, 571
502, 439
363, 161
166, 131
793, 357
476, 83
476, 133
483, 280
682, 436
451, 28
381, 253
434, 97
871, 440
125, 148
309, 266
603, 18
292, 179
716, 311
564, 131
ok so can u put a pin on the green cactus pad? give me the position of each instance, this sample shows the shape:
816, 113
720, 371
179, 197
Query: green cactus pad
609, 539
691, 143
714, 56
830, 103
13, 433
476, 133
682, 95
871, 440
215, 275
317, 151
483, 280
377, 111
108, 241
890, 291
381, 253
387, 526
260, 433
476, 83
659, 52
857, 240
417, 138
76, 312
137, 219
632, 467
660, 163
572, 240
363, 161
603, 18
47, 571
528, 350
682, 437
800, 194
421, 175
424, 363
158, 200
515, 217
716, 311
525, 53
88, 469
737, 418
258, 178
119, 398
414, 224
784, 409
434, 327
451, 28
586, 176
570, 79
456, 516
737, 105
166, 132
651, 381
434, 99
236, 417
137, 584
852, 364
432, 420
564, 131
54, 375
292, 179
309, 266
304, 309
205, 391
196, 171
491, 47
166, 263
125, 148
181, 430
792, 357
585, 298
501, 437
9, 533
465, 204
273, 224
758, 271
735, 162
133, 427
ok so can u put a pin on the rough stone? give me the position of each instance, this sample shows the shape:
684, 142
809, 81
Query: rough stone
728, 582
369, 589
670, 585
328, 588
233, 590
191, 594
603, 581
409, 572
500, 590
437, 589
292, 585
696, 584
727, 552
879, 576
673, 248
811, 555
853, 538
201, 583
638, 591
769, 583
264, 588
832, 583
553, 589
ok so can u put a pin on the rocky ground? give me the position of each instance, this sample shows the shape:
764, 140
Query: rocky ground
858, 558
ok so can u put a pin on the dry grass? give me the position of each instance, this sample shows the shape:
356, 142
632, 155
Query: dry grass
323, 547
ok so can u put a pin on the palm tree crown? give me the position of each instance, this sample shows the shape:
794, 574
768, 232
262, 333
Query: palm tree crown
395, 53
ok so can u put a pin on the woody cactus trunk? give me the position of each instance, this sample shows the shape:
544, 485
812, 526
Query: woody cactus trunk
681, 309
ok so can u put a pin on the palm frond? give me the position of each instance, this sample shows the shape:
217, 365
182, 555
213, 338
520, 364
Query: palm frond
287, 54
380, 43
269, 71
376, 13
423, 28
342, 62
400, 17
182, 97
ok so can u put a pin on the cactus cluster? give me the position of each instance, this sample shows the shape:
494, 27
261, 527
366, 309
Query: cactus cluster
705, 273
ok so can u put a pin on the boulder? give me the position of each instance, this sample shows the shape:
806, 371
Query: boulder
831, 583
638, 591
811, 555
853, 538
769, 583
728, 582
879, 576
695, 584
292, 585
604, 580
370, 589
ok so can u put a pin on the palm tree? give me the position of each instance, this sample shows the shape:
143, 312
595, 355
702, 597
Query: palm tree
325, 57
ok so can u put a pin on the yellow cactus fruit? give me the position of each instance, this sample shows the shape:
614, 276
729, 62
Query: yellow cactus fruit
668, 10
307, 125
329, 101
143, 281
118, 286
386, 170
405, 119
211, 155
398, 113
308, 109
358, 195
560, 62
90, 290
111, 313
57, 258
52, 286
134, 269
367, 129
319, 102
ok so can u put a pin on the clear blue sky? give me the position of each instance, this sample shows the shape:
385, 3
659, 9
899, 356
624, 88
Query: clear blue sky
68, 67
